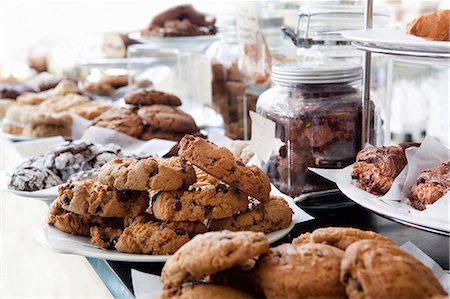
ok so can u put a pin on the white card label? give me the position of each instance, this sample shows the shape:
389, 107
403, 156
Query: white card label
247, 23
263, 141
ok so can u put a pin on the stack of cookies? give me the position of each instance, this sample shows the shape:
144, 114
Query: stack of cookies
152, 114
178, 203
47, 113
122, 192
331, 262
160, 113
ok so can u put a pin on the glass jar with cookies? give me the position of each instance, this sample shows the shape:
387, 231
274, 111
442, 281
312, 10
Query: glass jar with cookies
316, 108
227, 88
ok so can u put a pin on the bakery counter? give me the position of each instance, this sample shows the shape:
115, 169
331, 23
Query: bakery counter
117, 275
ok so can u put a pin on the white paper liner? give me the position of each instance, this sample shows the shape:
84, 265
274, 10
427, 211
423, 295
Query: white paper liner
431, 153
441, 274
147, 285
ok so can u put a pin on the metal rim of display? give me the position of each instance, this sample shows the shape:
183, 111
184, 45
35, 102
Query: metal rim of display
367, 61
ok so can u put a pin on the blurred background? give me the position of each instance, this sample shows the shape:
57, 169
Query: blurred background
68, 31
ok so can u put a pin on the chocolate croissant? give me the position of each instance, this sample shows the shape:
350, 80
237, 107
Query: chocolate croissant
431, 185
377, 167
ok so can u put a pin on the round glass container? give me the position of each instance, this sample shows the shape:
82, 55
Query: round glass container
317, 110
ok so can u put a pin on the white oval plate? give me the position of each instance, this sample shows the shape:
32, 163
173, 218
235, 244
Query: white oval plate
373, 203
12, 137
185, 43
397, 39
51, 238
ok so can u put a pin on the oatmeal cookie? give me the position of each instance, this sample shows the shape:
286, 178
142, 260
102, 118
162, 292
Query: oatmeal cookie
90, 110
265, 217
60, 103
210, 253
220, 162
147, 97
377, 269
42, 117
340, 237
145, 174
93, 198
42, 130
168, 119
121, 120
308, 271
198, 204
155, 237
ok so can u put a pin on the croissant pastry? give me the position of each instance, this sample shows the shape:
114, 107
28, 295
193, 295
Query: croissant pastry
377, 167
433, 26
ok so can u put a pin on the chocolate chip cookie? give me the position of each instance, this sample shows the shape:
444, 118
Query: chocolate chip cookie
210, 253
308, 271
220, 162
168, 118
150, 133
93, 198
75, 224
121, 120
145, 174
155, 237
210, 202
265, 217
105, 237
340, 237
377, 269
204, 290
43, 130
147, 97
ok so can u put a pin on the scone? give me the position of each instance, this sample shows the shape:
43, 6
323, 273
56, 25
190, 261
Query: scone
155, 237
377, 269
220, 162
93, 198
432, 26
265, 217
146, 174
340, 237
376, 168
209, 202
210, 253
431, 185
121, 120
147, 97
307, 271
168, 118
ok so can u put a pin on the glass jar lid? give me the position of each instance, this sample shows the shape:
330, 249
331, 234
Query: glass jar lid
316, 72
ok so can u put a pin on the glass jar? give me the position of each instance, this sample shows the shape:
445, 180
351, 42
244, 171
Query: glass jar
317, 111
228, 90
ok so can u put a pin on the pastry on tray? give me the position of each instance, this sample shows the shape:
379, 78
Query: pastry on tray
432, 26
181, 20
431, 185
376, 168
